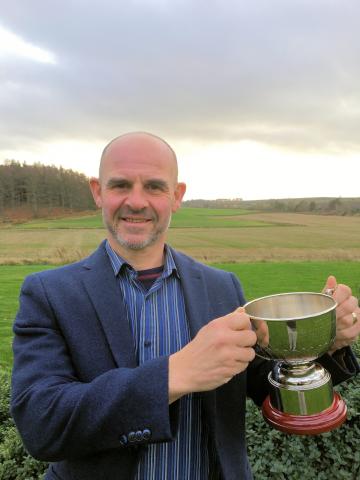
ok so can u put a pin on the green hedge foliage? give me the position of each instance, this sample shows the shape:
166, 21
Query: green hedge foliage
15, 462
273, 455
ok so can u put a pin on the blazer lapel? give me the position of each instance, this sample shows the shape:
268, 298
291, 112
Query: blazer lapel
101, 284
195, 292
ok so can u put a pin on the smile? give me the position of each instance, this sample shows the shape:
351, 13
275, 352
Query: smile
136, 220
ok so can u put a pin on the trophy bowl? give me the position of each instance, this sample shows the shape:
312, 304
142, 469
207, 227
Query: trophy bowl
293, 330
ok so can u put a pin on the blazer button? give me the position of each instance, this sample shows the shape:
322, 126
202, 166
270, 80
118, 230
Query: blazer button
123, 440
132, 437
146, 434
139, 436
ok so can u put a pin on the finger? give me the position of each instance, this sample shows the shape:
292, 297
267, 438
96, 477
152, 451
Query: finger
330, 285
240, 309
354, 329
246, 355
242, 355
347, 336
236, 356
245, 338
345, 309
264, 340
238, 320
342, 293
262, 332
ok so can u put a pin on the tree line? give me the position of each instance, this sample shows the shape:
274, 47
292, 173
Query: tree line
40, 189
317, 205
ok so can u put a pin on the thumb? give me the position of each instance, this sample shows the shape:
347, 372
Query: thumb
240, 310
330, 285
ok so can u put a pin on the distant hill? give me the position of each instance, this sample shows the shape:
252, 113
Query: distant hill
33, 191
319, 205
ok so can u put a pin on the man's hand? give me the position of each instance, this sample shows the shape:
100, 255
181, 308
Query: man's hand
262, 332
347, 315
220, 350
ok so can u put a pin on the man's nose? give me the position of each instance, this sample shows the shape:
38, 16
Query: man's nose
136, 199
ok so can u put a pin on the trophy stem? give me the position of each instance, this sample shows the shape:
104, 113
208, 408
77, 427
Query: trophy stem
321, 422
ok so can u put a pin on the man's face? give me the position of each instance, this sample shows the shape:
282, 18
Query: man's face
138, 191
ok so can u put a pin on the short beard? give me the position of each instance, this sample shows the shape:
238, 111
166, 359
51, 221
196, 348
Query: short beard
133, 245
136, 246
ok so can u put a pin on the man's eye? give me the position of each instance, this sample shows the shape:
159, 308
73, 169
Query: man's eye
153, 187
120, 186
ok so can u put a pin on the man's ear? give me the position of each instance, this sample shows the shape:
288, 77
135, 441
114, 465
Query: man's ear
95, 188
179, 193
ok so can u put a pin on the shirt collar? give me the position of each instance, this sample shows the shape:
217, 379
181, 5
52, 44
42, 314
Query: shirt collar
119, 264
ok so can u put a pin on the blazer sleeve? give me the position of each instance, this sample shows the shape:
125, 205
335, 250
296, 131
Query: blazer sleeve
60, 417
342, 364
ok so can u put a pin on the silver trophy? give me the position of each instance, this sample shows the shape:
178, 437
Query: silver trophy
294, 329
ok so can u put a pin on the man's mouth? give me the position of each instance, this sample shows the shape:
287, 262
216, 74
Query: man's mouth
136, 219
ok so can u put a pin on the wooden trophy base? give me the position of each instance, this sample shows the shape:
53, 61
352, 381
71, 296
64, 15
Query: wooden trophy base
324, 421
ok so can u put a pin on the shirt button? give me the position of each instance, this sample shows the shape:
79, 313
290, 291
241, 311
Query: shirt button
146, 434
147, 343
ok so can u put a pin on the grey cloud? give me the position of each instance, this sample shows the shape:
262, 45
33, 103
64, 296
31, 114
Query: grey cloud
285, 73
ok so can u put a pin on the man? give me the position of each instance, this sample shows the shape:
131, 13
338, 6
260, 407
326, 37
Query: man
135, 362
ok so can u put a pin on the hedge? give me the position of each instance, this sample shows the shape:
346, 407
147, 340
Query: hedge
15, 462
273, 455
328, 456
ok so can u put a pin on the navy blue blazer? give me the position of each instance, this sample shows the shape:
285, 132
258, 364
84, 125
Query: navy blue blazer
79, 399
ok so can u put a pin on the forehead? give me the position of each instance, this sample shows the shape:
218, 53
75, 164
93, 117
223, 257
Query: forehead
138, 155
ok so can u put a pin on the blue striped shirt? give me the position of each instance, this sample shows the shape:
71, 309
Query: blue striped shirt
159, 325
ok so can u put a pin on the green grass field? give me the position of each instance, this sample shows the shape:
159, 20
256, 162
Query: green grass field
258, 279
184, 218
11, 278
269, 252
88, 221
209, 235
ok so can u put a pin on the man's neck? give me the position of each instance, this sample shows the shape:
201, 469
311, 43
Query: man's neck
144, 259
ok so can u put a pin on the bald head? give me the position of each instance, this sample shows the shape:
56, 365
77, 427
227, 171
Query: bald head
138, 192
135, 142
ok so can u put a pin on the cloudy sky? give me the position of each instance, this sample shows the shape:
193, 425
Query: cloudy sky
260, 99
